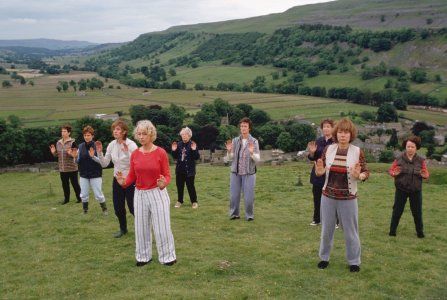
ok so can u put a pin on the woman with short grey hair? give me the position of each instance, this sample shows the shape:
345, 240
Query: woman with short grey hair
186, 153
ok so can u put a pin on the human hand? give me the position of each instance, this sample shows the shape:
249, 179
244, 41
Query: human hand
52, 149
396, 171
193, 146
161, 182
355, 171
98, 145
251, 147
312, 146
125, 147
120, 178
174, 146
74, 152
319, 167
229, 145
424, 173
91, 152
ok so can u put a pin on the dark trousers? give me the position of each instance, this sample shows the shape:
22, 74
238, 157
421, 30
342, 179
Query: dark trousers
317, 191
120, 196
66, 177
180, 180
400, 199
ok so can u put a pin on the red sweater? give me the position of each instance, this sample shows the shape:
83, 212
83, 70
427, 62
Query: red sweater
146, 168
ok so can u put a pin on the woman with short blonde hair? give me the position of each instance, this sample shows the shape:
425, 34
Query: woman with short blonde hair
149, 169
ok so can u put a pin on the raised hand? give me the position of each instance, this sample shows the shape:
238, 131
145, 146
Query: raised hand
91, 152
74, 152
98, 145
312, 146
125, 147
174, 146
319, 167
229, 145
52, 149
161, 182
251, 147
424, 173
356, 170
193, 146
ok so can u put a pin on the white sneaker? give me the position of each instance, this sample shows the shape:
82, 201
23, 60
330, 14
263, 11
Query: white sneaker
195, 205
314, 223
178, 205
336, 226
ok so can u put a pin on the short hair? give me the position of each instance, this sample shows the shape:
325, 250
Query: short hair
122, 124
88, 129
186, 130
147, 126
344, 124
414, 139
66, 127
246, 120
327, 121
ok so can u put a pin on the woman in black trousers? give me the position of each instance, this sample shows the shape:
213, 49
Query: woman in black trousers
186, 154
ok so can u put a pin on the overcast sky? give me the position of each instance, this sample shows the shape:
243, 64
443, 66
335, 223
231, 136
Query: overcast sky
102, 21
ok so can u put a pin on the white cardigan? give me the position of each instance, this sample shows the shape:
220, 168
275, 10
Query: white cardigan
352, 159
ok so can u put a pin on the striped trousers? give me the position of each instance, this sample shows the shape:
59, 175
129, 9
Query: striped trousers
151, 208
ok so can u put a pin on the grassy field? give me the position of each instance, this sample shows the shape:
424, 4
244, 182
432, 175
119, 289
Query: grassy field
42, 104
52, 251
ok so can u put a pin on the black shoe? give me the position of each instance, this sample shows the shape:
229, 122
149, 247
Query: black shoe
120, 234
63, 202
142, 263
78, 201
170, 263
250, 219
354, 268
421, 235
323, 264
234, 217
392, 233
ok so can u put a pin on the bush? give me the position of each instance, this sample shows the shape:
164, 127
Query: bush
386, 156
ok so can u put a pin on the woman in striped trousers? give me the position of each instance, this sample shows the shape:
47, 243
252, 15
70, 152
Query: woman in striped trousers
149, 169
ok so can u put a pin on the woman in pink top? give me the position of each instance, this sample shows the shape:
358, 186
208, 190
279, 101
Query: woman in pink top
149, 169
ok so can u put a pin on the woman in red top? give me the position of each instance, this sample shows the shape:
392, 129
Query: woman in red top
149, 169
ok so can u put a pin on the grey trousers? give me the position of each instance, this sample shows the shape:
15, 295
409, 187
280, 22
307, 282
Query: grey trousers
347, 211
246, 185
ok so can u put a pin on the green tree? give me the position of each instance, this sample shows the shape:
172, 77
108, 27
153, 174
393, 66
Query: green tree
207, 115
15, 121
418, 75
285, 142
259, 117
387, 113
6, 84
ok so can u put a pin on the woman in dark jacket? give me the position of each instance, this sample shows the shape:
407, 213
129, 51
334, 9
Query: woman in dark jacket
186, 154
408, 171
316, 149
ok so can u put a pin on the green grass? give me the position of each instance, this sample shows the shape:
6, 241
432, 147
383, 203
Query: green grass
52, 251
43, 105
213, 73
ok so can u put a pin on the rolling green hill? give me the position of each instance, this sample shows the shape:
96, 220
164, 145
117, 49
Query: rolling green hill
365, 14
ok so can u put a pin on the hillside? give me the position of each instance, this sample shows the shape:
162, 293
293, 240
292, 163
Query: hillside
50, 44
364, 14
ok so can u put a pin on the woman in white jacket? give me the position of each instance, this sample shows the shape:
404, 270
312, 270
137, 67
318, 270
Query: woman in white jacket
119, 151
